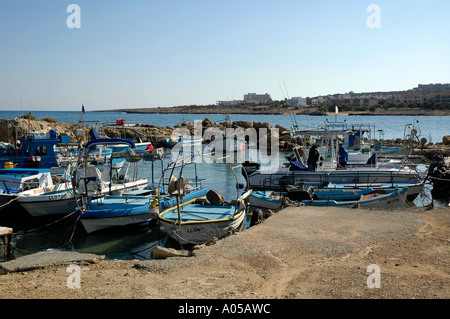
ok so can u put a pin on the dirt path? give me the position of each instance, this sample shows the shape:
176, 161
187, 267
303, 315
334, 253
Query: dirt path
298, 253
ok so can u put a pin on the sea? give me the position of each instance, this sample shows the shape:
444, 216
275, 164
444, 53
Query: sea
67, 234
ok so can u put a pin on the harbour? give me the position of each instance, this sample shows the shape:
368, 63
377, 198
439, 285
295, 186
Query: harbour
64, 232
216, 158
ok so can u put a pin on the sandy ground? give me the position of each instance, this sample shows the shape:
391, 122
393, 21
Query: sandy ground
300, 252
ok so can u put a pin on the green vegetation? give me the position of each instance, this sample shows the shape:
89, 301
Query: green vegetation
28, 116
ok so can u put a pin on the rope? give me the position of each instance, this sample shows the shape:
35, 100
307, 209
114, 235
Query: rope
47, 225
6, 204
59, 247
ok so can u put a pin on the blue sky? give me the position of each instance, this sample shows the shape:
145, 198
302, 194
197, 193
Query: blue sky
151, 53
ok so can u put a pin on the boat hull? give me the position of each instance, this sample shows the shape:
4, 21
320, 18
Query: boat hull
201, 229
279, 179
262, 199
92, 225
393, 200
46, 205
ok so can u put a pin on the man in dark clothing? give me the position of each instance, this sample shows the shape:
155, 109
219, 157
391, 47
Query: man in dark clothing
343, 155
313, 158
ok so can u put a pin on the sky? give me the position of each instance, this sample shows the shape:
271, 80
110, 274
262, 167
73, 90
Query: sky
159, 53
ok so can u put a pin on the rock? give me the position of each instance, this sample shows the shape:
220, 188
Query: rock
207, 123
258, 125
47, 259
163, 253
243, 124
446, 140
283, 130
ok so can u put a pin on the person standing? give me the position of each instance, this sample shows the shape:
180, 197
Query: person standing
343, 155
313, 158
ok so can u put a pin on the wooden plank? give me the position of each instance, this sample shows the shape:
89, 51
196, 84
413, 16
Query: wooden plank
5, 231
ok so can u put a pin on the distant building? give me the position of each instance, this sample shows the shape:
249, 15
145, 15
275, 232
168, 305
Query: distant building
296, 101
432, 87
257, 98
229, 103
421, 98
439, 97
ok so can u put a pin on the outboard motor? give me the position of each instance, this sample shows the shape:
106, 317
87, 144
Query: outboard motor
439, 176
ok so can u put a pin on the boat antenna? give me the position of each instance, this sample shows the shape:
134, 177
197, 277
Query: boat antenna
295, 124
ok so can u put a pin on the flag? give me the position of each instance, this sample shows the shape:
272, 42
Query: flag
82, 109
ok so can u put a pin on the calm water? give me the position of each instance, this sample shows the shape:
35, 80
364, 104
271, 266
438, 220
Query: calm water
68, 235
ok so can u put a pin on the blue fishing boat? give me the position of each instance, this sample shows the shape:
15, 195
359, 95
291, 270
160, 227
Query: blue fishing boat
133, 208
267, 199
414, 188
199, 221
36, 149
128, 209
339, 194
375, 200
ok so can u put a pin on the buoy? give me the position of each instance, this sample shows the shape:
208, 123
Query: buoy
154, 203
9, 165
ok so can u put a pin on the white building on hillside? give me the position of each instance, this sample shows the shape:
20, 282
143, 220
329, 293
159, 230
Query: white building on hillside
257, 98
296, 101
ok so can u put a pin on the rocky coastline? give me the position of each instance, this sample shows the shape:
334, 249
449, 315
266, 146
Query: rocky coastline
12, 130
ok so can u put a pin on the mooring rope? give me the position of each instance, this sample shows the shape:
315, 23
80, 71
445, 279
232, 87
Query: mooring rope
9, 202
48, 224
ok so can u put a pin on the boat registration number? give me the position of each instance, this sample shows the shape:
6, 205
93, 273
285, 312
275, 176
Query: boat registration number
56, 197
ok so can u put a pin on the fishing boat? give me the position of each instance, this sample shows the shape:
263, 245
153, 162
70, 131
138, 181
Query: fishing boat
80, 184
266, 199
36, 149
339, 194
134, 208
226, 144
268, 180
199, 221
126, 210
13, 181
63, 200
383, 199
414, 188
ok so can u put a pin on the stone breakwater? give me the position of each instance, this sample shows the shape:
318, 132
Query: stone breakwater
12, 130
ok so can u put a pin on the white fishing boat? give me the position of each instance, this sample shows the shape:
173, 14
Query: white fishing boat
225, 144
13, 181
328, 170
83, 183
268, 180
62, 199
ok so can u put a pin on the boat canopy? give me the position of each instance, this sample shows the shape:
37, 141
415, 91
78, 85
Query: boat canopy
113, 141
